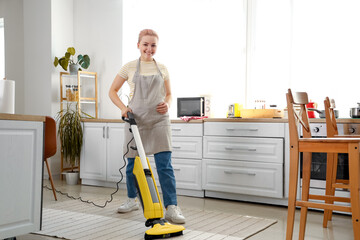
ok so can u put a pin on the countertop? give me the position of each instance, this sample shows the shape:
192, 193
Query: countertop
102, 120
279, 120
265, 120
20, 117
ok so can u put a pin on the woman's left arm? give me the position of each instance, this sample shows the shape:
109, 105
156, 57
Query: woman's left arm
163, 107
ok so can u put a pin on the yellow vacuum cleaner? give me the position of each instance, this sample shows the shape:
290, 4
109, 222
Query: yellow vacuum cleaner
148, 192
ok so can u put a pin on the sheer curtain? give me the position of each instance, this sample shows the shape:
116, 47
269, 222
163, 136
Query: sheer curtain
268, 58
326, 51
239, 51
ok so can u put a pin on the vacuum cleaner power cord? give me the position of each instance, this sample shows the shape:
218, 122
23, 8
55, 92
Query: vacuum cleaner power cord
111, 195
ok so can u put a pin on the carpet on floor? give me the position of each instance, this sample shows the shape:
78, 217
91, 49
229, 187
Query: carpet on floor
79, 221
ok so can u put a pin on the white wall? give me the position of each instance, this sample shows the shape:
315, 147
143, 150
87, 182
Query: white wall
12, 12
98, 33
62, 37
37, 56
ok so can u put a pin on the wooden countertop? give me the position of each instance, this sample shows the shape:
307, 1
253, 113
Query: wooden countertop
20, 117
102, 120
267, 120
263, 120
279, 120
38, 118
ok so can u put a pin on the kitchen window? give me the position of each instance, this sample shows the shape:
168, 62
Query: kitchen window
326, 51
239, 51
202, 43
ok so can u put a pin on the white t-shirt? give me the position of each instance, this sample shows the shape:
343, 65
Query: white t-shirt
146, 68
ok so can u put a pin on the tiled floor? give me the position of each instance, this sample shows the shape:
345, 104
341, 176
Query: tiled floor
339, 228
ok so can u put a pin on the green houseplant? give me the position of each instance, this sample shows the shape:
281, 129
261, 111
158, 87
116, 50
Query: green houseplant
70, 132
68, 61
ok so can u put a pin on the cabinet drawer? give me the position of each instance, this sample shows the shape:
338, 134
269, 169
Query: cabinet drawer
187, 173
187, 147
260, 179
186, 129
244, 129
244, 149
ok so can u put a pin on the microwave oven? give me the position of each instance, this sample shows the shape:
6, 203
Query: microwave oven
193, 107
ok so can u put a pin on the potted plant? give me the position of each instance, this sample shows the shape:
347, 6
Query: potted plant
68, 60
70, 132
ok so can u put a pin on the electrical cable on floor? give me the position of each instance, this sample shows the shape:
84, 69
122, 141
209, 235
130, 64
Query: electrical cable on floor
111, 195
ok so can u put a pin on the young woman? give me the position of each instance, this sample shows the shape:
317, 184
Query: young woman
150, 99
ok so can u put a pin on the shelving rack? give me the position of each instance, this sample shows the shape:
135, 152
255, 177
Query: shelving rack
84, 81
82, 75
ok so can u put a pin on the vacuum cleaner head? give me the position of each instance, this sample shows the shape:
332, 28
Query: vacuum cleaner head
163, 229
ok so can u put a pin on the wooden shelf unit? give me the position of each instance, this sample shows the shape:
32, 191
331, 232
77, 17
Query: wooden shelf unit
81, 99
81, 78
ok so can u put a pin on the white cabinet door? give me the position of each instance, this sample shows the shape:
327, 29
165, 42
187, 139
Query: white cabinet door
250, 178
21, 159
93, 153
114, 152
187, 129
244, 129
187, 173
244, 148
187, 147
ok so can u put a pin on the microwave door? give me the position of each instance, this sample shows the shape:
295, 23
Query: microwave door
202, 107
190, 107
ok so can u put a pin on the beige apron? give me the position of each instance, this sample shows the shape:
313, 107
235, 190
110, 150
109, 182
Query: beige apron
154, 127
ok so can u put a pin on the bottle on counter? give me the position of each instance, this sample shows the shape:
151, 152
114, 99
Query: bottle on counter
68, 93
76, 93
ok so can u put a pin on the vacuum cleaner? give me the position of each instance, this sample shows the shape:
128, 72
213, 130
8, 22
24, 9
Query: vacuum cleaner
148, 192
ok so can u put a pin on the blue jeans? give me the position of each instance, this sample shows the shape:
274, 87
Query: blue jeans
166, 177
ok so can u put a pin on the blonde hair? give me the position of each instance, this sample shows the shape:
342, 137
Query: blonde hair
147, 32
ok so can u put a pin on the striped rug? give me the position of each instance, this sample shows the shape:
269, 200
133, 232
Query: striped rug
76, 220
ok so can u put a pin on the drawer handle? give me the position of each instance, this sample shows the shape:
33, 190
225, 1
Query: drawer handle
175, 169
239, 172
176, 147
239, 148
176, 129
242, 129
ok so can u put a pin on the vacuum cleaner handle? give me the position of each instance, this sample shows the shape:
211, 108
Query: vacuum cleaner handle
130, 118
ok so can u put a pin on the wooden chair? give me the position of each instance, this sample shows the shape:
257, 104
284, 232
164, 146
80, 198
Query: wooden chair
308, 145
50, 146
332, 158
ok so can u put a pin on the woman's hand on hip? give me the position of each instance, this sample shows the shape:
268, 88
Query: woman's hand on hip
125, 111
162, 108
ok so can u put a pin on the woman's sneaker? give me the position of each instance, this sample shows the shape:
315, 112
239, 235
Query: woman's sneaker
174, 214
128, 206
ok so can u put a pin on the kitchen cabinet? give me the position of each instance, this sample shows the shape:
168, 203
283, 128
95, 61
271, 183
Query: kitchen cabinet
186, 158
243, 158
21, 172
102, 155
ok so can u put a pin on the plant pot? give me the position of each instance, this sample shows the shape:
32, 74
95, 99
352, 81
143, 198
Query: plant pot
72, 178
73, 69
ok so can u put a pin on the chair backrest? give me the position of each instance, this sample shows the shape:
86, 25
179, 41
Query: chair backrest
331, 126
50, 137
297, 113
